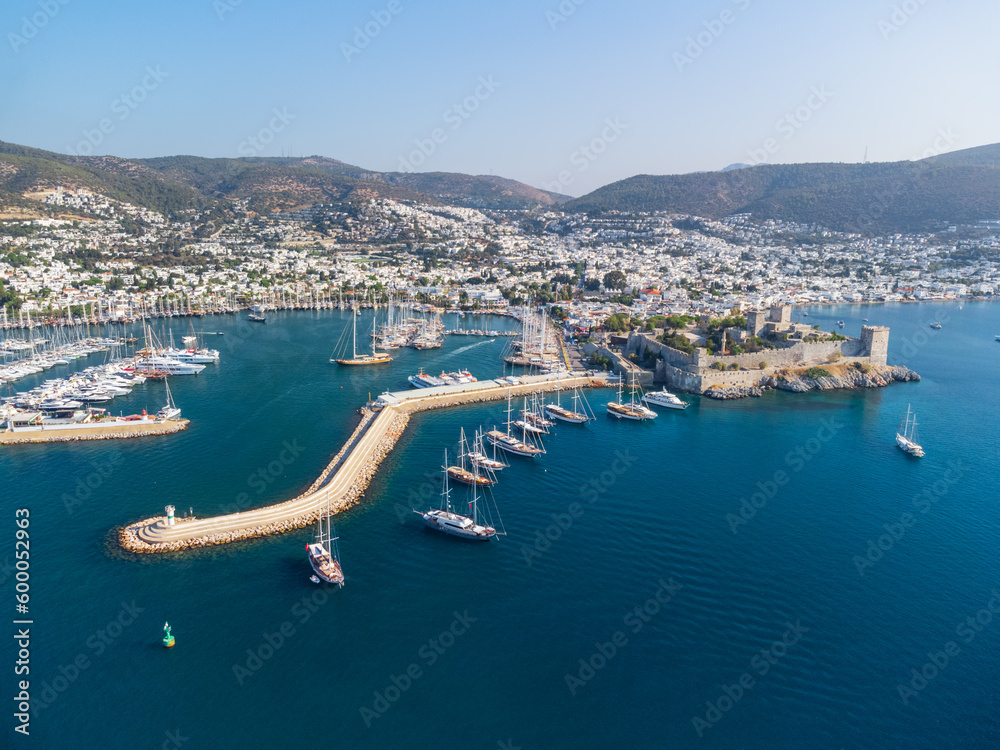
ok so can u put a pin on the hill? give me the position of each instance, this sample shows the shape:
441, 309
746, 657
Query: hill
270, 183
960, 187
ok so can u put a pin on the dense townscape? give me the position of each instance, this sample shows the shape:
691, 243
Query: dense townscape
102, 258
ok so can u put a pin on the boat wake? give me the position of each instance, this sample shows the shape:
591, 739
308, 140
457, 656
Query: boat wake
465, 348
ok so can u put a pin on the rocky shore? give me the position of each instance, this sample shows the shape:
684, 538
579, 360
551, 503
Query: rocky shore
841, 377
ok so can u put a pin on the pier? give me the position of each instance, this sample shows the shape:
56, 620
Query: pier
94, 431
346, 476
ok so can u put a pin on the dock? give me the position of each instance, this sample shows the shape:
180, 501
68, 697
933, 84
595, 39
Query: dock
95, 431
347, 476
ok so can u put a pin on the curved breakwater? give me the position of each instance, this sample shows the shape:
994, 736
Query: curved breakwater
344, 479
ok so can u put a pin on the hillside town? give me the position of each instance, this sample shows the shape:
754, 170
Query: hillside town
98, 258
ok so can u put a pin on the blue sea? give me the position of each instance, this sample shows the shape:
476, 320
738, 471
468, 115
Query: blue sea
765, 573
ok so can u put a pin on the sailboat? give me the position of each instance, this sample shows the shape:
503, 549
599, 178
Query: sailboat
576, 415
446, 520
170, 411
478, 455
375, 358
509, 443
906, 435
632, 410
324, 554
461, 474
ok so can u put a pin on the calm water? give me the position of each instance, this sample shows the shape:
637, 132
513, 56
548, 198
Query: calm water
443, 644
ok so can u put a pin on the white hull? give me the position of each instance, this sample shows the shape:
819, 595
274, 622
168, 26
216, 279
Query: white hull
456, 525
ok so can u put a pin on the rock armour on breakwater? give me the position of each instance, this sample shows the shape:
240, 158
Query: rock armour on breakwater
129, 539
133, 431
848, 378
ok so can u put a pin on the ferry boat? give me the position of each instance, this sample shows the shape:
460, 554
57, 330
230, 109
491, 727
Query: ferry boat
423, 380
666, 399
936, 325
906, 435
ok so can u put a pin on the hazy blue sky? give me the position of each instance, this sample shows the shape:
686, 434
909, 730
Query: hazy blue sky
685, 86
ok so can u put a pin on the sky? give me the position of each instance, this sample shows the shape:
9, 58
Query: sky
563, 95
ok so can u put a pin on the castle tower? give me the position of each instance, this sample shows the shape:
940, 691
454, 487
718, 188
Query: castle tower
875, 340
755, 322
781, 314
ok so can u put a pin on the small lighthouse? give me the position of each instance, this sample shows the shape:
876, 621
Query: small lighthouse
170, 515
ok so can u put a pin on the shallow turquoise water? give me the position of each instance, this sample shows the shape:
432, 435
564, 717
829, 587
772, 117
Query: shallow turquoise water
437, 643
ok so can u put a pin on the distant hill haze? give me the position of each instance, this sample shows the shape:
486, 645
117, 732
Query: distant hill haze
271, 183
957, 187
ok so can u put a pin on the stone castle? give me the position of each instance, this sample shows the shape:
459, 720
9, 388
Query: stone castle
697, 372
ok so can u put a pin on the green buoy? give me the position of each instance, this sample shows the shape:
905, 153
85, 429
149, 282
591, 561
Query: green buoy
168, 638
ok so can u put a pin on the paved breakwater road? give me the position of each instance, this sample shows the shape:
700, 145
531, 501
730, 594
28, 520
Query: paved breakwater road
347, 475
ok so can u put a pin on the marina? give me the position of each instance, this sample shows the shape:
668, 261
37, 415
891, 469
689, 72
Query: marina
652, 504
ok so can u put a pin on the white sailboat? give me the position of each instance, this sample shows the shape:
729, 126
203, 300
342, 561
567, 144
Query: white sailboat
445, 519
906, 435
170, 411
478, 455
324, 553
461, 474
510, 444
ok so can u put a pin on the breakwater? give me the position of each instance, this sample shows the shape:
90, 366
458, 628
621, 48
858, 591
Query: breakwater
94, 432
345, 477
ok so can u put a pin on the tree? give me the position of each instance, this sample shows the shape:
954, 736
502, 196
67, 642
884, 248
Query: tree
615, 280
